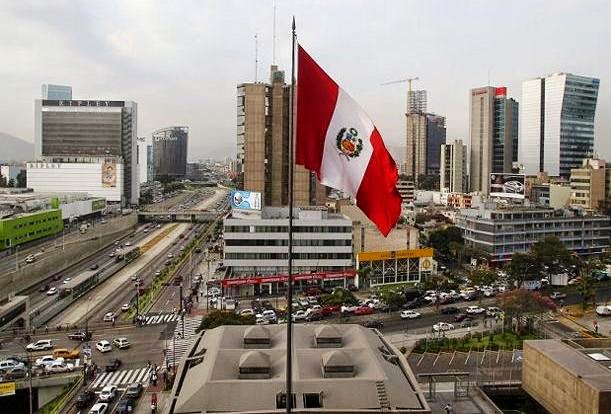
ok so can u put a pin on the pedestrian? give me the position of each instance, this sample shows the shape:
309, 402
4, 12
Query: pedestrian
46, 329
154, 379
148, 365
113, 321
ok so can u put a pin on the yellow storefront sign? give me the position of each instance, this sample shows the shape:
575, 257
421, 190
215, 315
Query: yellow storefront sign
395, 254
7, 388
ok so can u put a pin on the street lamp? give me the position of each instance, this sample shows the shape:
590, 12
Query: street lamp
17, 258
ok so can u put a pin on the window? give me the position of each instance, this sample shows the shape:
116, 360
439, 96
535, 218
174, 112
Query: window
281, 400
312, 400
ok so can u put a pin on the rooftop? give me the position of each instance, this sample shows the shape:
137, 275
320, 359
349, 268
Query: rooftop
337, 368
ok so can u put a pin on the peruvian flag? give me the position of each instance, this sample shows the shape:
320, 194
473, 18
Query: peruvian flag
337, 140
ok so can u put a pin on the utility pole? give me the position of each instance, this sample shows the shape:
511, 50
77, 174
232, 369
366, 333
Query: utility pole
17, 258
30, 382
182, 314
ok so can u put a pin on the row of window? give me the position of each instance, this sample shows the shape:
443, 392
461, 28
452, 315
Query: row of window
276, 242
285, 229
23, 224
285, 256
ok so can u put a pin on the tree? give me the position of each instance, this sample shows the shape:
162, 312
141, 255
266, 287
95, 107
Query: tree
11, 183
393, 299
364, 274
22, 179
219, 318
521, 302
428, 182
523, 266
552, 254
3, 182
440, 239
339, 296
586, 291
482, 276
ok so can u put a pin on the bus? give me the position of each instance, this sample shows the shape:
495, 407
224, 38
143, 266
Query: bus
78, 286
129, 254
12, 312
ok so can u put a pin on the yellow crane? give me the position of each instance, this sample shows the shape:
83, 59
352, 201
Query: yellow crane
409, 85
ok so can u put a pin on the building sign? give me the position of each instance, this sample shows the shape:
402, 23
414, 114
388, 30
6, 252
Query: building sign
507, 185
7, 388
426, 264
109, 104
165, 137
49, 165
284, 278
109, 174
395, 254
245, 200
98, 204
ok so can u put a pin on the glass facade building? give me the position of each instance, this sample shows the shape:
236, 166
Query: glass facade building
170, 151
56, 92
557, 130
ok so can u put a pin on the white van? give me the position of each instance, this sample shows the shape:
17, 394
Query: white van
99, 408
603, 310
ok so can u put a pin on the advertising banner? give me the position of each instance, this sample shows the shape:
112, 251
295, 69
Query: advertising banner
507, 185
7, 388
284, 278
245, 200
109, 174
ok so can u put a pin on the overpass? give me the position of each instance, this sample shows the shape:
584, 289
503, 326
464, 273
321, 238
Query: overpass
43, 390
190, 216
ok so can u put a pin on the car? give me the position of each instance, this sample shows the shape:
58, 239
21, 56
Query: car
59, 367
43, 288
103, 346
125, 307
40, 345
449, 310
128, 243
67, 280
415, 303
474, 310
52, 291
158, 273
330, 309
303, 302
111, 254
125, 406
134, 390
468, 323
47, 360
299, 315
85, 398
442, 326
9, 364
66, 353
99, 408
459, 317
410, 314
262, 321
170, 255
109, 317
493, 311
603, 310
314, 316
113, 365
348, 308
80, 336
94, 266
374, 324
108, 393
557, 295
269, 314
30, 258
16, 373
364, 310
121, 343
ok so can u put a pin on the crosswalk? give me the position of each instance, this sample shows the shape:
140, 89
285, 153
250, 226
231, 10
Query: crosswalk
179, 345
122, 378
160, 318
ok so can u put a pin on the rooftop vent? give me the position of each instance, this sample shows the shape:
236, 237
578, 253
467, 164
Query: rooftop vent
328, 336
257, 336
255, 365
337, 364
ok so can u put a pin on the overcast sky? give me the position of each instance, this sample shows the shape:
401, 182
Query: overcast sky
181, 60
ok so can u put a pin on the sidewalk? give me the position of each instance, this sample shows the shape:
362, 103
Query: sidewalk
144, 405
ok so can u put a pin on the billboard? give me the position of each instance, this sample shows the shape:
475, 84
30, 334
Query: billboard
109, 174
245, 200
7, 388
507, 185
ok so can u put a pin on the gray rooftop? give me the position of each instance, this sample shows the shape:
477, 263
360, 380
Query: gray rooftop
373, 376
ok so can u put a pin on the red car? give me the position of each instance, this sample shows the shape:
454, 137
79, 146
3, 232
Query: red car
329, 309
364, 310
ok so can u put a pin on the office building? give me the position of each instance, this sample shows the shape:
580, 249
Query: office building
142, 160
339, 369
150, 164
259, 245
494, 133
170, 152
407, 190
453, 168
416, 101
501, 232
570, 375
88, 146
557, 123
588, 185
263, 142
56, 92
425, 134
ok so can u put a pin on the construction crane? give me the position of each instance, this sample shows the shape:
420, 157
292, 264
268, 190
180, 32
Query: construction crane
409, 86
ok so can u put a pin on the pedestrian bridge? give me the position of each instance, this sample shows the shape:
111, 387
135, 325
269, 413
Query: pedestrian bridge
189, 216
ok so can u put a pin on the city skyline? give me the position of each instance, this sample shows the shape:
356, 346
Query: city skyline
111, 58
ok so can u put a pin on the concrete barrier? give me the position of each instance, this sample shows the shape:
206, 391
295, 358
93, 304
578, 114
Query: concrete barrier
59, 260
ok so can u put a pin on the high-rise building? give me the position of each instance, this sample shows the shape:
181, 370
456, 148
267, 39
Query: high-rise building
88, 146
588, 185
493, 135
557, 123
142, 160
56, 92
263, 142
170, 151
425, 133
453, 169
150, 164
416, 101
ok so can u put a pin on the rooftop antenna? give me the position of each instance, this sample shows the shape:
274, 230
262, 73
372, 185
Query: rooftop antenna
274, 37
256, 56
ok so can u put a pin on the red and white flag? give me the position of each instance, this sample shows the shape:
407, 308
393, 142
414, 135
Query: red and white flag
337, 140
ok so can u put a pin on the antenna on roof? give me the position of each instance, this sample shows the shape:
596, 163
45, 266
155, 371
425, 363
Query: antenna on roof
274, 37
256, 56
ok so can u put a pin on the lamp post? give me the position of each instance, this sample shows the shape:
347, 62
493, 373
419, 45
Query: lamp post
17, 258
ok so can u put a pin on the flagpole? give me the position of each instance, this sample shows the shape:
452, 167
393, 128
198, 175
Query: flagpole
289, 293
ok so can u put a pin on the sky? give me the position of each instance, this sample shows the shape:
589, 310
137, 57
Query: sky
182, 60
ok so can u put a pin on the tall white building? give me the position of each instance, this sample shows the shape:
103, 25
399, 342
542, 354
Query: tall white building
453, 169
557, 123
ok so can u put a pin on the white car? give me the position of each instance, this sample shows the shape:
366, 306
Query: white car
269, 314
493, 311
410, 314
474, 310
108, 393
109, 317
348, 309
262, 321
247, 312
9, 364
303, 302
47, 360
121, 343
170, 255
299, 316
99, 408
30, 259
128, 243
41, 345
103, 346
59, 366
125, 307
52, 291
442, 326
66, 280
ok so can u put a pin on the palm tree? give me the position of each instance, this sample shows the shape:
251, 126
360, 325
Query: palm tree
364, 273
